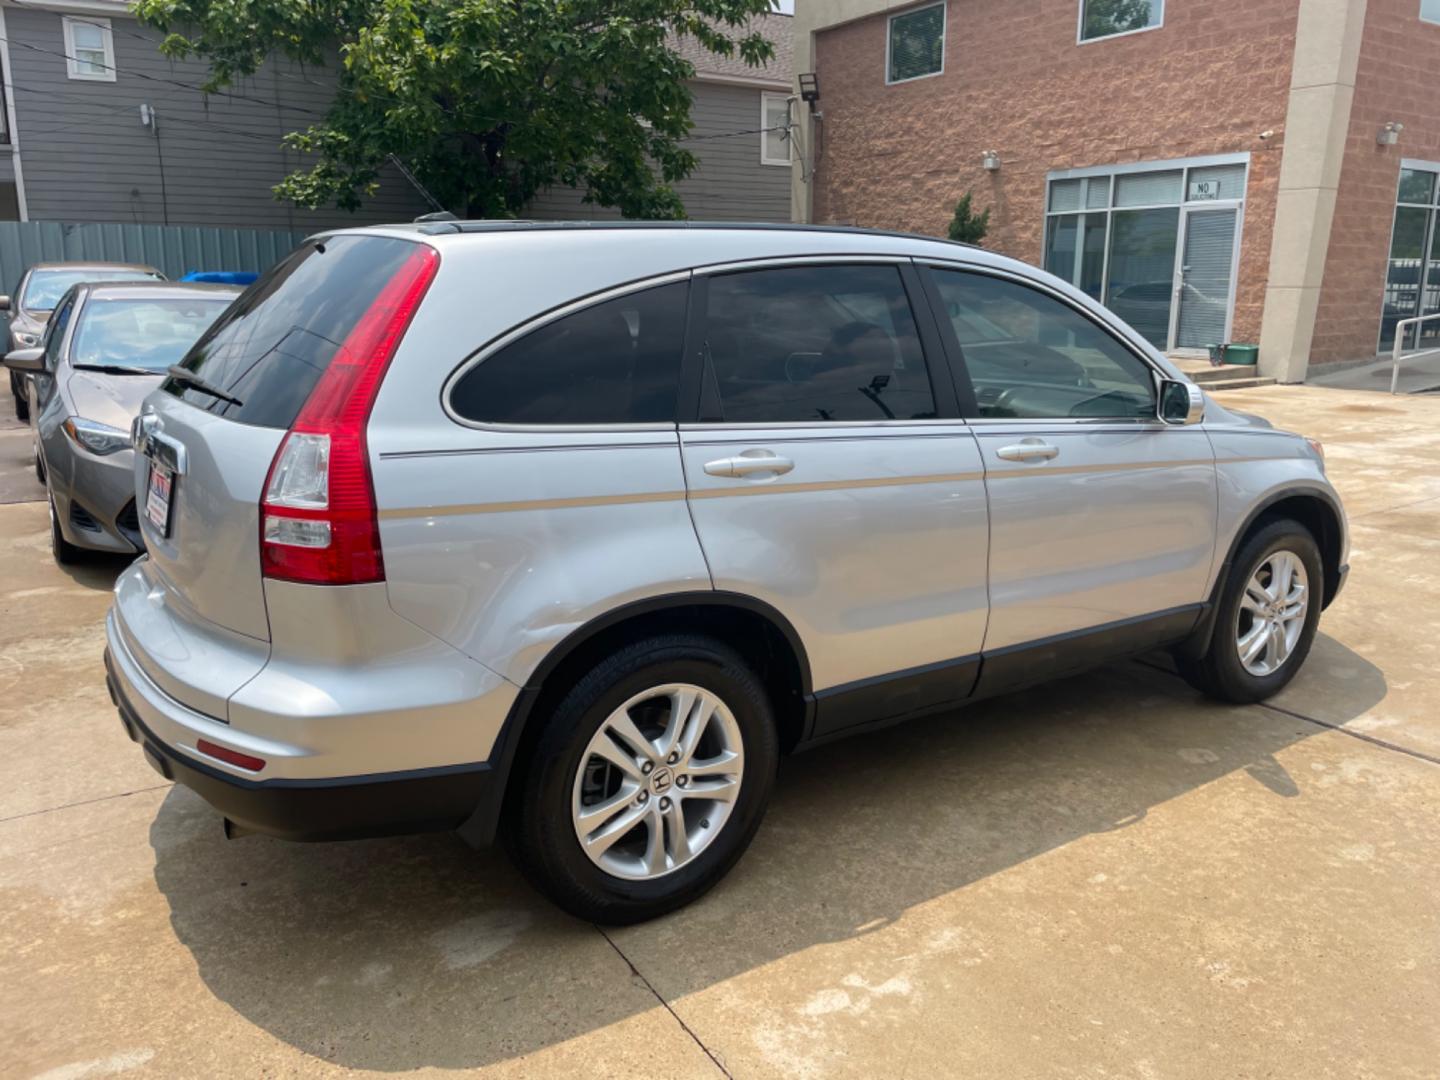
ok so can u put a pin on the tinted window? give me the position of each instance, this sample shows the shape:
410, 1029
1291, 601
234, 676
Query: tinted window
45, 287
271, 345
1031, 356
616, 362
141, 333
55, 332
808, 343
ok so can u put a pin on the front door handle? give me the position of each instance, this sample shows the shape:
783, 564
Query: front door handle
750, 463
1028, 450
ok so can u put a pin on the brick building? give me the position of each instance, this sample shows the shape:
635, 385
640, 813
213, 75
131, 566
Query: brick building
1214, 170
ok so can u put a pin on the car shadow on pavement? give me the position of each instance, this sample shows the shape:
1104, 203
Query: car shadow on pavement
402, 953
96, 570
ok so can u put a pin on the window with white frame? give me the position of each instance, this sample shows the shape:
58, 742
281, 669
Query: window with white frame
89, 48
1430, 10
915, 44
1109, 18
775, 133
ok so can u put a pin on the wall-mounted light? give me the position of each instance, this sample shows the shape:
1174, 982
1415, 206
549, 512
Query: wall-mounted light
809, 88
1390, 134
991, 160
147, 115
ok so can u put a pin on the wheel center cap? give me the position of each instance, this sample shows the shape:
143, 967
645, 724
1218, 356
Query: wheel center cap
661, 780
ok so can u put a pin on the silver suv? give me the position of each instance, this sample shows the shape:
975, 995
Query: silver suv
567, 532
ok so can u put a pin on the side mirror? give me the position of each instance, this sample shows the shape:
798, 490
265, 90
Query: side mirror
4, 302
1181, 402
26, 360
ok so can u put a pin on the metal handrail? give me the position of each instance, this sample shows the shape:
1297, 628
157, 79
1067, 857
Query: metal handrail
1401, 328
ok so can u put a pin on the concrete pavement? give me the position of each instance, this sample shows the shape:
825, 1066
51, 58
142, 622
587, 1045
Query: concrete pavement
1105, 877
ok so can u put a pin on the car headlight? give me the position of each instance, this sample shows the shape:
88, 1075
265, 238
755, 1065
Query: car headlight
99, 439
27, 341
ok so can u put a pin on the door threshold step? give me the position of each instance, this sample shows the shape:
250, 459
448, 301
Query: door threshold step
1225, 373
1237, 384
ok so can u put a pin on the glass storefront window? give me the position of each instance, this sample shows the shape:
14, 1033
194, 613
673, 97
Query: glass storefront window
1412, 276
1142, 270
1116, 234
1406, 273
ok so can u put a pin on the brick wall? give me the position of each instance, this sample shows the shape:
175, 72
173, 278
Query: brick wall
1399, 56
1207, 82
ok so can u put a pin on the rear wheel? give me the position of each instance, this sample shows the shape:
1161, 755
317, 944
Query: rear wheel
65, 553
1267, 615
648, 781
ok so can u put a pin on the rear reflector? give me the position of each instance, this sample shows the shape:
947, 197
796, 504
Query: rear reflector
318, 518
232, 757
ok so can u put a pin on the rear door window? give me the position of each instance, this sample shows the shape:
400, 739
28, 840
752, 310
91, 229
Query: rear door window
615, 362
800, 344
273, 343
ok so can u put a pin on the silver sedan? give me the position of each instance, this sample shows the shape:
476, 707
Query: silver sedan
105, 348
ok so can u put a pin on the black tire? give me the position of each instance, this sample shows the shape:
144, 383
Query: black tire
39, 466
1219, 673
22, 408
541, 834
66, 553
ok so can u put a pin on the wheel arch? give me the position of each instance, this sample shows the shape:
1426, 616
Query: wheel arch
1312, 506
760, 633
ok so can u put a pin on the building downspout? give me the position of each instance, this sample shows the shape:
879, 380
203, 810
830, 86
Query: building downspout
10, 123
1317, 120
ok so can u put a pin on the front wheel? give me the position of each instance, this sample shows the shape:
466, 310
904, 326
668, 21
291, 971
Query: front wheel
1266, 617
648, 781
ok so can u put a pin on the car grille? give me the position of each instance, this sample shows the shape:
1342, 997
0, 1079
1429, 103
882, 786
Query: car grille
81, 518
128, 519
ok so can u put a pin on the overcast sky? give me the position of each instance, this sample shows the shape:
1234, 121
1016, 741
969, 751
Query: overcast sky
787, 6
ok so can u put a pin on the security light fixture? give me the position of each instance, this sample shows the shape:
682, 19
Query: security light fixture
991, 160
1390, 134
809, 88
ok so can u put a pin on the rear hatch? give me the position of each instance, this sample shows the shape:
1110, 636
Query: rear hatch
213, 433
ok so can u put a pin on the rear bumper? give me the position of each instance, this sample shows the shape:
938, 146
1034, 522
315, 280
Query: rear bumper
336, 808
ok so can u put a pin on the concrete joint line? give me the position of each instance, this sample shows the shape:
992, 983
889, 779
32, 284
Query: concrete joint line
676, 1016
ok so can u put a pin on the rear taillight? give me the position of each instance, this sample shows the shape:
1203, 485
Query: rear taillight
317, 518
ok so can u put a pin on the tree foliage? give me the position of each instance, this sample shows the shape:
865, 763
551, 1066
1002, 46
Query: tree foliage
967, 226
486, 101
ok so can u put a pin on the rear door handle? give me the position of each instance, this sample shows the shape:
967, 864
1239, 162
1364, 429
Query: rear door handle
1028, 450
750, 463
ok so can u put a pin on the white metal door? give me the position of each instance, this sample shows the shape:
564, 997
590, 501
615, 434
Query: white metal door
1205, 278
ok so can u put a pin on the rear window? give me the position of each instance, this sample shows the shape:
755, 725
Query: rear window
274, 342
45, 287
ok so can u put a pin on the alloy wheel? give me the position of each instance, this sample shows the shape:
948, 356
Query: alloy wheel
1272, 613
658, 781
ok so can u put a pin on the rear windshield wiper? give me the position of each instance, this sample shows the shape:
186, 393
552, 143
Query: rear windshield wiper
115, 369
189, 378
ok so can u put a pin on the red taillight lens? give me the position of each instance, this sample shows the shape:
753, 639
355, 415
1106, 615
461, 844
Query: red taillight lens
317, 518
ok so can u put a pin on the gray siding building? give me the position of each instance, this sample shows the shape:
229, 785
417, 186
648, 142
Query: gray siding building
744, 171
81, 79
98, 126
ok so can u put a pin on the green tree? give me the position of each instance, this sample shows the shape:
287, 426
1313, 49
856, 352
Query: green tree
967, 226
486, 101
1104, 17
